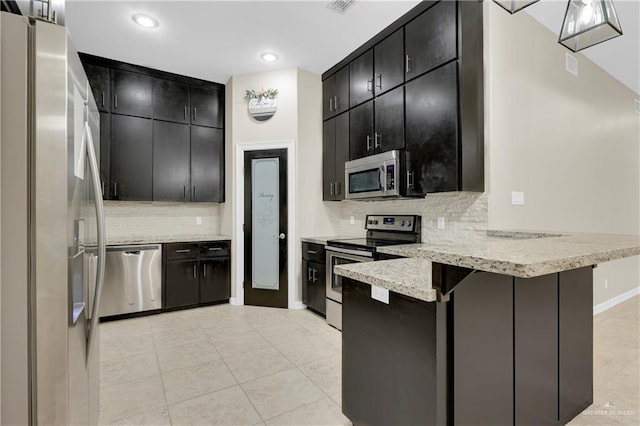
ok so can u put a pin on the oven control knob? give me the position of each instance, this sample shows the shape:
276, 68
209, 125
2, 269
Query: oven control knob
369, 221
375, 222
408, 223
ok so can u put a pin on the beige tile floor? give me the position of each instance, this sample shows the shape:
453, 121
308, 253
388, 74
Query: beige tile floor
233, 365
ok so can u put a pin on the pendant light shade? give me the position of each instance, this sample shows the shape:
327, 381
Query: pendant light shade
512, 6
589, 22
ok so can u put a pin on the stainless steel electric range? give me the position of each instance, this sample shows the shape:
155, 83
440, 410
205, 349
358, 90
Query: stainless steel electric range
382, 230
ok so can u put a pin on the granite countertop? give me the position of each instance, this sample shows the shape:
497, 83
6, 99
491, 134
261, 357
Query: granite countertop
112, 241
411, 277
522, 253
323, 240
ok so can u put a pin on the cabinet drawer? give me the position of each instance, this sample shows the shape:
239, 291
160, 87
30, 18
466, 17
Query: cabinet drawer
181, 251
313, 252
214, 249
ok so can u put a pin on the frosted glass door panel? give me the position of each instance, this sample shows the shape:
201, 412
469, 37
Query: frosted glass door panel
266, 224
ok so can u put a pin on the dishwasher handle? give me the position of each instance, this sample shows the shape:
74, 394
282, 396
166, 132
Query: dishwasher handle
132, 249
132, 253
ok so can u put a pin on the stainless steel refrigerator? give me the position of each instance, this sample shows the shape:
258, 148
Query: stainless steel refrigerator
52, 229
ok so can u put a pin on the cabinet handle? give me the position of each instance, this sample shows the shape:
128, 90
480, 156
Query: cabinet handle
102, 95
312, 251
368, 143
379, 85
195, 271
309, 275
315, 276
335, 103
204, 270
195, 113
331, 185
115, 189
115, 101
407, 63
183, 251
102, 189
409, 179
215, 248
330, 104
184, 192
370, 85
378, 140
185, 112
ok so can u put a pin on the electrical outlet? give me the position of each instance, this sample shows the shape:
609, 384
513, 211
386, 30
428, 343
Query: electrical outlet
198, 220
571, 64
352, 220
440, 222
517, 198
606, 284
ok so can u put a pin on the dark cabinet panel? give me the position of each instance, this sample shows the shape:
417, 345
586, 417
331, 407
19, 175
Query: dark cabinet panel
314, 290
182, 286
431, 120
171, 156
335, 93
361, 79
389, 62
131, 158
328, 93
132, 93
483, 350
215, 281
105, 154
361, 131
100, 82
335, 152
207, 107
207, 164
170, 101
307, 295
389, 121
431, 39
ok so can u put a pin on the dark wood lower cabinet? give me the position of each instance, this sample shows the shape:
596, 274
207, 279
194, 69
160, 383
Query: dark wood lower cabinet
314, 286
196, 274
501, 351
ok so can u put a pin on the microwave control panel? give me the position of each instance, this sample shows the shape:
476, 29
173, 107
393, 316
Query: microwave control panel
391, 177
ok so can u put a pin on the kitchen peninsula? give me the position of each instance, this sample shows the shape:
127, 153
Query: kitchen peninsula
491, 328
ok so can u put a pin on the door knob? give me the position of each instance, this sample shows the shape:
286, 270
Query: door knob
282, 236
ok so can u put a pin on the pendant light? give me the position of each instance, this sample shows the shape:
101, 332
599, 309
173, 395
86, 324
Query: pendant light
512, 6
589, 22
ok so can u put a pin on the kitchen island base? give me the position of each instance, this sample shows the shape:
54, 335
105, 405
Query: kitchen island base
500, 350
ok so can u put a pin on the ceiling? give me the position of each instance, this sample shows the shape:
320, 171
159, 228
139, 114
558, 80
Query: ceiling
214, 40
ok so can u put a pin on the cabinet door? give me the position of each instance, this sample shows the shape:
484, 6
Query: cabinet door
318, 288
182, 286
131, 158
215, 281
207, 164
207, 107
361, 79
341, 99
132, 93
328, 93
105, 154
99, 79
328, 159
170, 101
341, 154
389, 119
389, 62
307, 281
431, 39
431, 105
361, 131
171, 156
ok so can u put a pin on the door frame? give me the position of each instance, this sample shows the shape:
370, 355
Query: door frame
238, 217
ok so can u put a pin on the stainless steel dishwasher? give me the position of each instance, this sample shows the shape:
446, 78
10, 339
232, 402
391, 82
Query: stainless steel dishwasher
132, 280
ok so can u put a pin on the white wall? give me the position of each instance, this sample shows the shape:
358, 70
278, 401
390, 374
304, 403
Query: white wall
571, 144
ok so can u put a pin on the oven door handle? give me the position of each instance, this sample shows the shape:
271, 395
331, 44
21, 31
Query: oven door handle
349, 251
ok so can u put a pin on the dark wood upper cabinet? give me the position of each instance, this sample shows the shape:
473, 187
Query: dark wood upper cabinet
432, 132
131, 158
361, 135
389, 62
335, 152
431, 39
207, 164
335, 93
171, 154
99, 80
389, 121
132, 93
361, 79
170, 101
207, 107
105, 154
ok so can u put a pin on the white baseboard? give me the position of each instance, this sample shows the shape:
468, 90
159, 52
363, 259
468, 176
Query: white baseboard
298, 305
234, 301
601, 307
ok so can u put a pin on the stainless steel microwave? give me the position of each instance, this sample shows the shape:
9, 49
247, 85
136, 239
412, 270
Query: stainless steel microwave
375, 176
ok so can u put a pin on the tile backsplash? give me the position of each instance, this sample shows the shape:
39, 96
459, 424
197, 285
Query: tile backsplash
133, 220
464, 213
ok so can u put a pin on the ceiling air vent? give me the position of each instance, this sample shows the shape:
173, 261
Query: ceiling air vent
340, 6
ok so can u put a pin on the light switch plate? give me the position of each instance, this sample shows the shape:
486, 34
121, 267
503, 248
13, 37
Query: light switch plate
440, 222
380, 294
517, 198
198, 220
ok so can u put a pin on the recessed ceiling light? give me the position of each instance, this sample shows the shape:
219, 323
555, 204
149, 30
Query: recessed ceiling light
269, 57
144, 20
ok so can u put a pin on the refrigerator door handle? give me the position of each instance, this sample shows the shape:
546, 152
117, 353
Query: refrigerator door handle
95, 178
